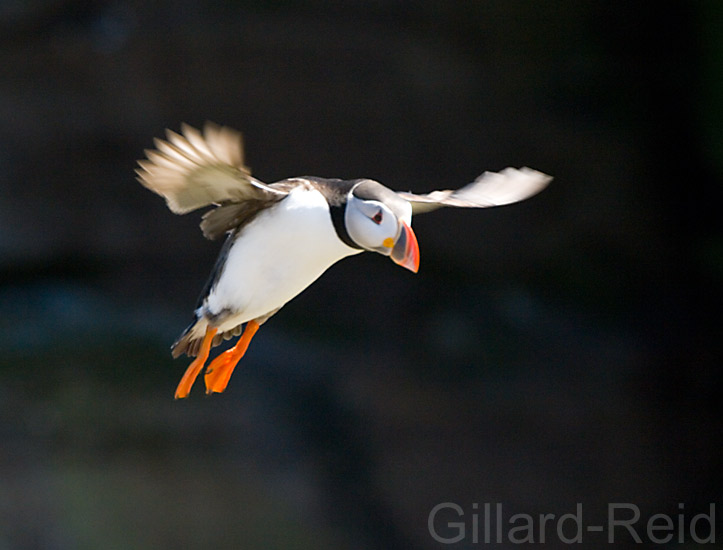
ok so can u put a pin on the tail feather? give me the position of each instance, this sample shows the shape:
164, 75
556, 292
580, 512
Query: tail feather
189, 342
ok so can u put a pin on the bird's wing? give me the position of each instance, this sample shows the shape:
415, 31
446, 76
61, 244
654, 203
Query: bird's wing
193, 169
490, 189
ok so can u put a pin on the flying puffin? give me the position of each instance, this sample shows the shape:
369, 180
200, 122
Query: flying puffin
281, 237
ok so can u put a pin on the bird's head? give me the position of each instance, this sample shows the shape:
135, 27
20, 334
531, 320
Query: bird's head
379, 220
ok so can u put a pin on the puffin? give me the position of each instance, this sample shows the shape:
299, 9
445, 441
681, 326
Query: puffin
280, 237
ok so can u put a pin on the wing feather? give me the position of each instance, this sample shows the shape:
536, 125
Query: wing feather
177, 147
196, 140
193, 169
490, 189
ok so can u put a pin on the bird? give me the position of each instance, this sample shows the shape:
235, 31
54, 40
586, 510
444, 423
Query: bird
280, 237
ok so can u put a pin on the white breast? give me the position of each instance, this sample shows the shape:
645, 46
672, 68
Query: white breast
281, 252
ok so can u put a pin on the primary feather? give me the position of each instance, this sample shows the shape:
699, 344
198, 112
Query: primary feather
192, 170
490, 189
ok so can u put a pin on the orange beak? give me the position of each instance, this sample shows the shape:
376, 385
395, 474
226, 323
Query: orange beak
406, 249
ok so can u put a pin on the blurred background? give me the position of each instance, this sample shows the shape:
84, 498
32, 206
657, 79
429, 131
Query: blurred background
563, 350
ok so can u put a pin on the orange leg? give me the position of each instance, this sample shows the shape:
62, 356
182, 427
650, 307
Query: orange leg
184, 386
218, 373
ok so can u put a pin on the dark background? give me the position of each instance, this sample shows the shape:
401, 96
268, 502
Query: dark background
560, 351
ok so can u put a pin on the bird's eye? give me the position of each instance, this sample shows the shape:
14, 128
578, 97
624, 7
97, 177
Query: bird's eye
377, 218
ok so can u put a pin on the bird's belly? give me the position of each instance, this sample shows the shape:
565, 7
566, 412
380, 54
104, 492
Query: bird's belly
278, 255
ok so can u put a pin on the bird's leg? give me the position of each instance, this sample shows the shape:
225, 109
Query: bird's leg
184, 386
218, 373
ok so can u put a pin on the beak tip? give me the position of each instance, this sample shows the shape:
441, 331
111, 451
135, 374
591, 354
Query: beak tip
406, 250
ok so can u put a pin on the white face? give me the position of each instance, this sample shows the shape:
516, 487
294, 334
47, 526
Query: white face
372, 225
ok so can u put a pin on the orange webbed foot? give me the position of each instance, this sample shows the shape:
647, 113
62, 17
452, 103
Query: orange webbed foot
219, 372
193, 370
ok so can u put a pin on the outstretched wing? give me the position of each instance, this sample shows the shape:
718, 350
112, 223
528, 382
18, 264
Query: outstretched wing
192, 170
490, 189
